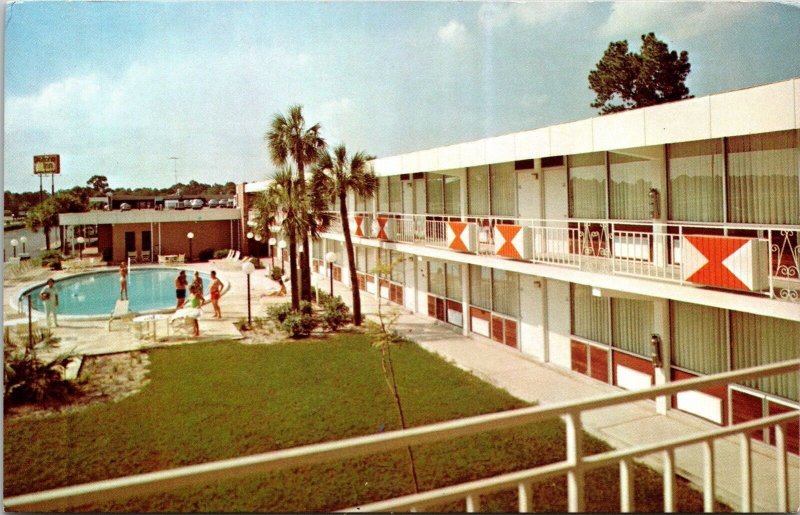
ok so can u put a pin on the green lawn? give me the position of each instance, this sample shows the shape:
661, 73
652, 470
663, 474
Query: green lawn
221, 400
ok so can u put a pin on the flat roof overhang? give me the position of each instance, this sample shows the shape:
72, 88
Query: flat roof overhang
149, 216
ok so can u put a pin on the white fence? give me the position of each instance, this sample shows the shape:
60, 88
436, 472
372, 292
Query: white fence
574, 467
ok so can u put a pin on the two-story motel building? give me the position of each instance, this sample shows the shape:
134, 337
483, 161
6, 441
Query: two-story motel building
667, 234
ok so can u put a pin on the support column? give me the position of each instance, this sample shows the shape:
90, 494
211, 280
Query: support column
464, 196
661, 328
661, 240
465, 300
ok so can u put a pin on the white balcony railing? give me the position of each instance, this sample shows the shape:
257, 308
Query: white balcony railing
649, 250
574, 467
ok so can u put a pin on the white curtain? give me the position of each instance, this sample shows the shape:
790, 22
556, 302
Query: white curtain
699, 338
480, 286
632, 177
695, 181
504, 190
505, 292
436, 280
590, 315
587, 185
453, 281
383, 194
632, 325
478, 190
395, 194
452, 195
435, 192
763, 178
760, 340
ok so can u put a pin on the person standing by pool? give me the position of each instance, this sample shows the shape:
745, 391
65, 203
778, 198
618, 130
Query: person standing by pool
196, 303
123, 281
49, 296
197, 283
216, 293
180, 288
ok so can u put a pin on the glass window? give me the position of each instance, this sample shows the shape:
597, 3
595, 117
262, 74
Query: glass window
316, 249
695, 181
383, 194
454, 281
480, 286
452, 195
504, 189
632, 323
763, 178
436, 281
632, 177
398, 266
371, 260
395, 194
590, 315
759, 340
699, 338
435, 192
587, 185
505, 292
478, 190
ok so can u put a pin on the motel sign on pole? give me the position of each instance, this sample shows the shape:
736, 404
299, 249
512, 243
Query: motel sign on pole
48, 164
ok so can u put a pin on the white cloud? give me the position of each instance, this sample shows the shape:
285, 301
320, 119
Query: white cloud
454, 34
494, 15
673, 20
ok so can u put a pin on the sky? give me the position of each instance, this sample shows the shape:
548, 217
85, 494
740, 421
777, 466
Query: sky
117, 88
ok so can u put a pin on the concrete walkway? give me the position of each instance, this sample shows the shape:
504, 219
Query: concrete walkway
621, 426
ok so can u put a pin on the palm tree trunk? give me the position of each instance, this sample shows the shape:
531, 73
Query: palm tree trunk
293, 268
46, 230
351, 259
305, 262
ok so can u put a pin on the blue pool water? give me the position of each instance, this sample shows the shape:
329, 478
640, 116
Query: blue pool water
96, 293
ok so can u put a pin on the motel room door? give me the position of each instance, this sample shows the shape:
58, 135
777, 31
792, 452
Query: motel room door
556, 207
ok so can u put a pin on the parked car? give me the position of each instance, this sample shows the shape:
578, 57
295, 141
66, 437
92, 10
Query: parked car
231, 202
212, 202
125, 207
173, 204
197, 204
187, 204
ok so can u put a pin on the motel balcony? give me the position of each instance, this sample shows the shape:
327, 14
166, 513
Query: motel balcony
753, 260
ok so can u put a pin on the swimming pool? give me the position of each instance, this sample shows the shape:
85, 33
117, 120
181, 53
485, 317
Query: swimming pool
149, 289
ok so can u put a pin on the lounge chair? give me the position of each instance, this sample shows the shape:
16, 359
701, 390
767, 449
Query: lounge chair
145, 256
121, 312
181, 258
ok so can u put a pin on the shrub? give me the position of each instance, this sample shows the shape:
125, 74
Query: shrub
205, 254
299, 324
49, 258
321, 294
221, 254
28, 379
335, 312
257, 263
278, 312
241, 324
277, 273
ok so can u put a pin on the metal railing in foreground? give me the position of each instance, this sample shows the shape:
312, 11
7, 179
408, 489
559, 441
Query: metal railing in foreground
574, 467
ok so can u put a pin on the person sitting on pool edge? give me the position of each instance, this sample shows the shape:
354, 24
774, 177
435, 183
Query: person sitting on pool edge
180, 288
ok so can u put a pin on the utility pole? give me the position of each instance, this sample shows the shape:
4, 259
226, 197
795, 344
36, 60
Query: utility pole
175, 167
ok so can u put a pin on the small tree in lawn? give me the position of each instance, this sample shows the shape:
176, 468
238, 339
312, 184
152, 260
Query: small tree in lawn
386, 337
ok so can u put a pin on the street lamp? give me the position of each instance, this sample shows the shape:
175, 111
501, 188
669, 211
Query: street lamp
190, 235
250, 235
23, 240
257, 237
14, 244
272, 242
248, 268
282, 245
330, 258
80, 248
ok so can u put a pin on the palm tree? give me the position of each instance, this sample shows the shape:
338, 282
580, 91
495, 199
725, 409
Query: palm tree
341, 175
287, 138
297, 216
43, 216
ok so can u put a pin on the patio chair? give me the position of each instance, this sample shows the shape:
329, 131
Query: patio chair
181, 258
235, 256
132, 256
146, 256
121, 313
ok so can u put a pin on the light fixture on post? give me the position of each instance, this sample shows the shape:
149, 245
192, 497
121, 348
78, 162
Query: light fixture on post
14, 244
23, 240
282, 245
248, 268
272, 242
330, 258
257, 237
250, 235
80, 241
190, 235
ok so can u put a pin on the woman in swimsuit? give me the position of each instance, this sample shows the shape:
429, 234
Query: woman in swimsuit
216, 293
197, 303
180, 289
123, 281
